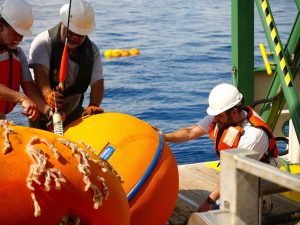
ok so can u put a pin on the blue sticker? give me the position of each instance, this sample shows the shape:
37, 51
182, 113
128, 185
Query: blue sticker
107, 152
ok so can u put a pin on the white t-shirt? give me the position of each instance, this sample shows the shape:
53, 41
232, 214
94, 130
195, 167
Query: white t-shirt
253, 139
40, 52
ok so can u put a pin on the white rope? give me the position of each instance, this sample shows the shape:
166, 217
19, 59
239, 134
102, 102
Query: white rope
83, 166
37, 208
87, 146
39, 168
104, 164
6, 131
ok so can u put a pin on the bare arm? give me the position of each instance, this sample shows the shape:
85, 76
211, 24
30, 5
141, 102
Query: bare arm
42, 82
215, 194
32, 92
41, 78
9, 95
97, 92
184, 134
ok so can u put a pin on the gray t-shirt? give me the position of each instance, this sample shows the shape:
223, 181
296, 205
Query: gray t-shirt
40, 52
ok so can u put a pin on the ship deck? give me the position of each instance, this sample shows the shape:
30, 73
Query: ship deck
196, 181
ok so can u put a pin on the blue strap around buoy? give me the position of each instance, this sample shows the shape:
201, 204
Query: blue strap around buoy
148, 172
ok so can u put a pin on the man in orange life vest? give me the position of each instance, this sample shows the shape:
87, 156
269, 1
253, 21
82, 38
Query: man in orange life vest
15, 22
231, 125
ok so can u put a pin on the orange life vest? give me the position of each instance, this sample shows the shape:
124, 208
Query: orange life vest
10, 67
229, 138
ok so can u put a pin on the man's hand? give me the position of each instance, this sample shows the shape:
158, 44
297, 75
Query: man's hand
29, 108
92, 109
205, 206
53, 96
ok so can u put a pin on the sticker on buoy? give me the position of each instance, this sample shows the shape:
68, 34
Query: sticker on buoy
107, 152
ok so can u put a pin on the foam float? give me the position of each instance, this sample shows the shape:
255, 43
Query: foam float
46, 179
140, 156
121, 53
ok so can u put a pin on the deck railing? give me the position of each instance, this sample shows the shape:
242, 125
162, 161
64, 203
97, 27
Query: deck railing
243, 182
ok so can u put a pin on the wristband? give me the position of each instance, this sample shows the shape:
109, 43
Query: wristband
210, 201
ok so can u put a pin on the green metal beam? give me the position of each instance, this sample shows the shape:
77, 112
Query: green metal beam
271, 111
243, 47
283, 71
294, 40
298, 4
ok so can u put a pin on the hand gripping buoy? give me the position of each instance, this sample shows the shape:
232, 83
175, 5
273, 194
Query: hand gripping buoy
47, 179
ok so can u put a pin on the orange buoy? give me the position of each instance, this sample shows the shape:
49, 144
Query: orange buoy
46, 179
116, 53
125, 52
141, 157
134, 51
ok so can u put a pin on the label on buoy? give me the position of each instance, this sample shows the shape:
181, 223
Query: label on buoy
107, 152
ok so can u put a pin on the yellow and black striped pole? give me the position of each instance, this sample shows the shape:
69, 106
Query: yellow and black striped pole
283, 72
276, 42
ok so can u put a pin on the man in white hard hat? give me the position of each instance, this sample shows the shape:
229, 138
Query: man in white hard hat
84, 66
231, 125
15, 22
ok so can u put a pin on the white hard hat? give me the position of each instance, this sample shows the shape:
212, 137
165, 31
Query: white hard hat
18, 14
223, 97
82, 18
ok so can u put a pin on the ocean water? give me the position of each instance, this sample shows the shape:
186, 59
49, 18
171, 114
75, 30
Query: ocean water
185, 51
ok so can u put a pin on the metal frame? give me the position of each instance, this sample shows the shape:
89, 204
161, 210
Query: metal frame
243, 181
242, 26
283, 77
243, 57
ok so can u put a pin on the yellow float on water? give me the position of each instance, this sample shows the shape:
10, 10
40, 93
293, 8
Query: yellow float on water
116, 53
46, 179
134, 51
140, 156
125, 52
121, 53
108, 53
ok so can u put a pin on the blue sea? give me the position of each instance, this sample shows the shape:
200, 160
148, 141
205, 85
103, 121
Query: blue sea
185, 51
